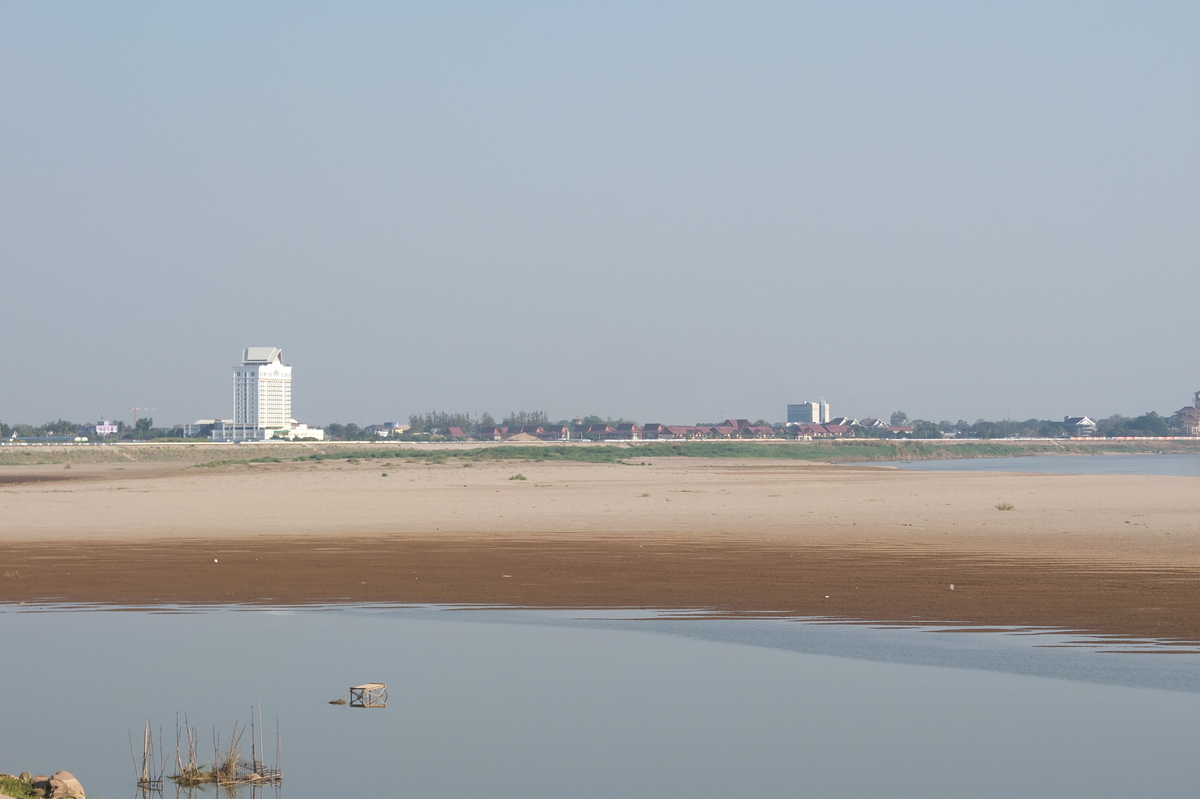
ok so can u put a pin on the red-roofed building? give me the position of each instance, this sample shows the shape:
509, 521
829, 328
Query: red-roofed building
491, 433
595, 432
760, 431
653, 430
628, 431
555, 432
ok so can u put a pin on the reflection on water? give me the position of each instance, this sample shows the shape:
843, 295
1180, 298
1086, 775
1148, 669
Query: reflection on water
1174, 464
548, 704
173, 791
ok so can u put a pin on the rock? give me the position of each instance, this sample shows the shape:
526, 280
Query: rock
25, 776
63, 785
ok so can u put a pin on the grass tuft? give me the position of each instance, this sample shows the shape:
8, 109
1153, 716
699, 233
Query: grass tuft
1004, 506
18, 789
518, 476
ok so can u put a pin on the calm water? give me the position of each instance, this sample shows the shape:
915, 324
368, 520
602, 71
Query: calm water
1179, 465
548, 704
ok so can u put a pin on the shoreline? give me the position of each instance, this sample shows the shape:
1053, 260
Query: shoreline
885, 584
840, 451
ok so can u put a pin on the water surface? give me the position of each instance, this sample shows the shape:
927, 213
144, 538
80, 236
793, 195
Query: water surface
489, 703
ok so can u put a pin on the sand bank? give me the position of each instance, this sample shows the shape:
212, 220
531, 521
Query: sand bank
1110, 553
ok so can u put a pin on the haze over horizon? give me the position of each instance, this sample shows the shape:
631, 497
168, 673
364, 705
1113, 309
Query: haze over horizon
665, 212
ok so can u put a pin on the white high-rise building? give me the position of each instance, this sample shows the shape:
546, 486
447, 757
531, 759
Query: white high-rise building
809, 413
262, 400
262, 389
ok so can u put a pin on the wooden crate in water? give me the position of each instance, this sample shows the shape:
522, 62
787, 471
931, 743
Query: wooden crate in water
371, 694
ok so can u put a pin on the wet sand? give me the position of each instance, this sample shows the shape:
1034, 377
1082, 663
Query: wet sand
1107, 553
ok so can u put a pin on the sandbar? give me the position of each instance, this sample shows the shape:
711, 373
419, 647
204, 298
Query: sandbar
1112, 554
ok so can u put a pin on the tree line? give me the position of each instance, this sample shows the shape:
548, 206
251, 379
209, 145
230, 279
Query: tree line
142, 431
1148, 424
437, 422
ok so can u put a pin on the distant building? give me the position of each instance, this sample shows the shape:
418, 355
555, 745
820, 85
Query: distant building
1186, 420
203, 428
1079, 425
809, 413
105, 428
262, 401
555, 432
262, 389
628, 430
298, 431
388, 429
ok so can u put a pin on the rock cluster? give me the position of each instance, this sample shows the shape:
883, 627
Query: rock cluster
59, 785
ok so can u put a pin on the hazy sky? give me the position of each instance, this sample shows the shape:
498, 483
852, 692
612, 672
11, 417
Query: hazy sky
672, 212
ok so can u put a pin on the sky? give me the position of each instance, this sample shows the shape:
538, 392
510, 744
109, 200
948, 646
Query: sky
674, 212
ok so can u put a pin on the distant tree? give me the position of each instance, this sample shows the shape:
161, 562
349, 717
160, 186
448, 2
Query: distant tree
1050, 429
144, 424
439, 421
924, 429
593, 420
1115, 425
486, 420
347, 432
525, 419
899, 418
60, 427
1149, 424
985, 429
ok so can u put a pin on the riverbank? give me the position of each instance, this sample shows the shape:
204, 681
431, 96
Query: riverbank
829, 451
1111, 553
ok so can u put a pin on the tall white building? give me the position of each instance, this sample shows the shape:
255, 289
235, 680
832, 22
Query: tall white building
262, 389
809, 413
262, 400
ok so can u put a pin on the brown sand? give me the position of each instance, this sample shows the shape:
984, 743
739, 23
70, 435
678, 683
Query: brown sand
1114, 554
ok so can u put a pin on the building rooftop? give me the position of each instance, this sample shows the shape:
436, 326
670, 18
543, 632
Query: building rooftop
253, 355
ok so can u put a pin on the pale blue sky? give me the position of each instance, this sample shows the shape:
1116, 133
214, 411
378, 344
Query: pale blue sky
662, 211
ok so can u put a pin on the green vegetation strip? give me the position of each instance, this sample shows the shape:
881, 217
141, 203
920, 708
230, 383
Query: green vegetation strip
835, 452
18, 789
